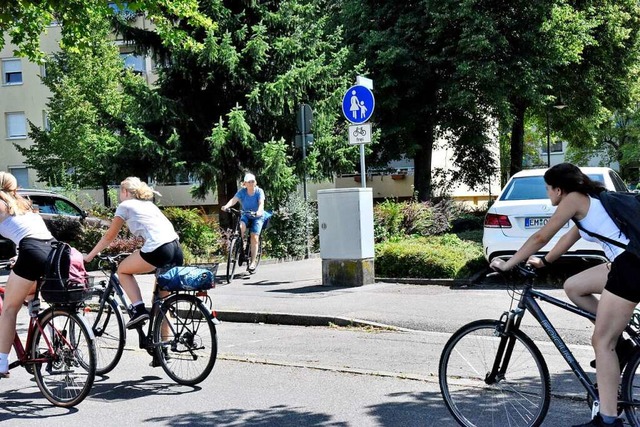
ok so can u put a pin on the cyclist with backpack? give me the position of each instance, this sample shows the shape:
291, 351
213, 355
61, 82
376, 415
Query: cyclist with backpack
161, 246
27, 230
251, 197
576, 198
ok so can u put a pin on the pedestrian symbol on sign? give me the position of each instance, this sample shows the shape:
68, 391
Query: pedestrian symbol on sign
358, 104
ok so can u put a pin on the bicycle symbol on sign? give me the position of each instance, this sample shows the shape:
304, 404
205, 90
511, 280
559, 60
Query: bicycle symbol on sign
359, 131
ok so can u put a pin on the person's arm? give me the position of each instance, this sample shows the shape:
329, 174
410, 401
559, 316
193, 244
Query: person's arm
558, 250
260, 210
230, 203
566, 210
107, 238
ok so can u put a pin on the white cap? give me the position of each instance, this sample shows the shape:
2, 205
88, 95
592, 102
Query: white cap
249, 177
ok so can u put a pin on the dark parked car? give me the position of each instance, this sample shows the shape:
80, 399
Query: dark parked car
51, 206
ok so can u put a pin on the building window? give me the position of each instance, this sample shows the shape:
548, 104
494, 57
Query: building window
46, 125
556, 147
134, 62
11, 72
22, 176
16, 125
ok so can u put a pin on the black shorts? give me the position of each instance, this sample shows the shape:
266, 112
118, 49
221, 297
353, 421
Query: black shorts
624, 276
169, 254
32, 258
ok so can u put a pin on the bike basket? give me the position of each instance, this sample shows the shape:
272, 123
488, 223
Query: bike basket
69, 292
187, 278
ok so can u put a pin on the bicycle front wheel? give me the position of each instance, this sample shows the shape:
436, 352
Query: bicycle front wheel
65, 357
104, 317
520, 397
233, 257
185, 339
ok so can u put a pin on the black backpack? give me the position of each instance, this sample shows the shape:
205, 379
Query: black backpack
624, 210
58, 286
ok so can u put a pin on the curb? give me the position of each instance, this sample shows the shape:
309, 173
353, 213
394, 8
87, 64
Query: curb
300, 320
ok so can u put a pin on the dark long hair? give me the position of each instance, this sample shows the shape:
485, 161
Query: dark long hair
568, 178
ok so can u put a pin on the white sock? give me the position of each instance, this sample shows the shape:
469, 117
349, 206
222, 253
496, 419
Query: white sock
137, 303
4, 362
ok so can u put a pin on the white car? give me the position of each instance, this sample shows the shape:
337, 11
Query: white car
523, 207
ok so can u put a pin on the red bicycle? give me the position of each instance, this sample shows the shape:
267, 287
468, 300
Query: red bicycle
59, 350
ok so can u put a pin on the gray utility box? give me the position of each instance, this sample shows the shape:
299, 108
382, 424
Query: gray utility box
345, 218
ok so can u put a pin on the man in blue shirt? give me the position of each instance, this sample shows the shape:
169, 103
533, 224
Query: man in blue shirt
251, 197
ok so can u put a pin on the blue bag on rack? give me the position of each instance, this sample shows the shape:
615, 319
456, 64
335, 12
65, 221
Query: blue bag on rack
185, 278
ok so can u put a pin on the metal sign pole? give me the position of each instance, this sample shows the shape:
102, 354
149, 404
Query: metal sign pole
304, 179
363, 171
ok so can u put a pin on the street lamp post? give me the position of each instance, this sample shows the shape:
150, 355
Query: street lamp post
558, 106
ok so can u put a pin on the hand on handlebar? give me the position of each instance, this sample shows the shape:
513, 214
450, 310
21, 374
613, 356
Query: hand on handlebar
498, 264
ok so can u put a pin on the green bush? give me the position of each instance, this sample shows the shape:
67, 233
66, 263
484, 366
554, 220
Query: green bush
289, 226
444, 256
387, 220
199, 235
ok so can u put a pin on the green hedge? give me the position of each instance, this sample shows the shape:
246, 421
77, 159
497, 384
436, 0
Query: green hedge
443, 257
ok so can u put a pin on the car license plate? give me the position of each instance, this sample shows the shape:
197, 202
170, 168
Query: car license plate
538, 222
535, 222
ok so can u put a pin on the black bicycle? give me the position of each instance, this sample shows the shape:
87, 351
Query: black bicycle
492, 374
240, 249
181, 335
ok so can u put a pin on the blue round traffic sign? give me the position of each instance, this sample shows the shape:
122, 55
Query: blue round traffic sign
358, 104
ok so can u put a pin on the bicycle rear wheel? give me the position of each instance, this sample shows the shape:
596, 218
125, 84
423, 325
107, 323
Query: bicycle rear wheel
519, 398
630, 389
104, 317
66, 356
185, 339
233, 257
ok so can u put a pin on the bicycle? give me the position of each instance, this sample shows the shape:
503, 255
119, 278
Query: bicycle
240, 249
59, 350
181, 335
492, 374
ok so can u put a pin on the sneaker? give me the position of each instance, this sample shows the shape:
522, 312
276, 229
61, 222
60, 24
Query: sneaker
624, 349
139, 314
597, 422
252, 267
155, 362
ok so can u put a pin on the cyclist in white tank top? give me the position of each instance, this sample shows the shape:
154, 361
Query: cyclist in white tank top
33, 240
574, 195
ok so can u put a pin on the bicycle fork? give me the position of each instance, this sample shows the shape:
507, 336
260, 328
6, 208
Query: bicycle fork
509, 320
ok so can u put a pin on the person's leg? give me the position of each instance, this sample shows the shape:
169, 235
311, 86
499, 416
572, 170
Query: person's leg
255, 239
256, 228
16, 291
613, 315
134, 264
581, 288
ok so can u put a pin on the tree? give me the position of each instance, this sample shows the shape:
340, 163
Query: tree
234, 102
95, 114
26, 20
465, 68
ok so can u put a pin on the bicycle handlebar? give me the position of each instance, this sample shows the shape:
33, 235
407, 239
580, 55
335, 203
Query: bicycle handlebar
523, 269
112, 260
238, 212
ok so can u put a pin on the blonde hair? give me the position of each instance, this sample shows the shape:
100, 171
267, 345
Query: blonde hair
17, 204
138, 188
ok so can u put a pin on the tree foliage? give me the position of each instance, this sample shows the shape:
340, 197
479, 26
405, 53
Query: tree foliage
95, 113
24, 21
234, 102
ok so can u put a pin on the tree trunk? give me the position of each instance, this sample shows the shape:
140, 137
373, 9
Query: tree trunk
422, 165
105, 195
517, 138
227, 188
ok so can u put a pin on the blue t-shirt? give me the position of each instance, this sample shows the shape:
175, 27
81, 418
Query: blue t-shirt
250, 203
